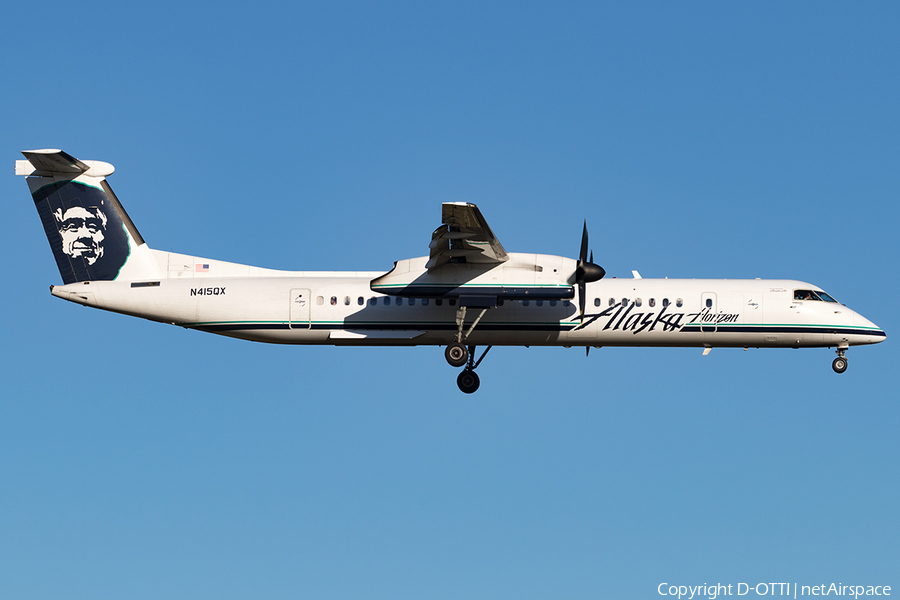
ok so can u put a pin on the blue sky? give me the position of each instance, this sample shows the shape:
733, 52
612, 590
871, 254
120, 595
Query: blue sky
697, 139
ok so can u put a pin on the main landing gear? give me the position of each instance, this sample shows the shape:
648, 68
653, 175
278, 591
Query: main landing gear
456, 354
840, 363
459, 354
467, 380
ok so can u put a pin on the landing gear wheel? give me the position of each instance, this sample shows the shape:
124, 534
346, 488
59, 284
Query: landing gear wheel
457, 355
468, 381
839, 365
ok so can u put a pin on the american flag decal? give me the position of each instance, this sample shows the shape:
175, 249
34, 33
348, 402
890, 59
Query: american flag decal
201, 268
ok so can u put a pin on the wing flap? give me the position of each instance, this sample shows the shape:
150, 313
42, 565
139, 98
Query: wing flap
464, 236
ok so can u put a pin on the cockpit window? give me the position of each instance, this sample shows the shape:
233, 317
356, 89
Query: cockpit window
812, 295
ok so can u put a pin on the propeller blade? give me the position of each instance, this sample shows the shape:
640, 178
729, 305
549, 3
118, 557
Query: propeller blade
582, 256
585, 272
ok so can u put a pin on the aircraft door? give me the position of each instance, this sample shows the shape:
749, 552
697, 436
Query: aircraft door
299, 311
708, 312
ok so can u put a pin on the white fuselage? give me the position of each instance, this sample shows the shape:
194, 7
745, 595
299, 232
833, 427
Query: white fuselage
340, 308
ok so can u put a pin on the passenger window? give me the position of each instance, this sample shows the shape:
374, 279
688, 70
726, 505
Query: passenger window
566, 303
624, 301
424, 301
539, 302
334, 300
399, 301
526, 302
596, 301
361, 301
346, 300
652, 302
637, 302
612, 301
373, 301
709, 303
679, 302
412, 301
438, 301
665, 302
452, 301
320, 300
387, 300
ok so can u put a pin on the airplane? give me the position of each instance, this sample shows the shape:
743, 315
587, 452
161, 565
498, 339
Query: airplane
467, 292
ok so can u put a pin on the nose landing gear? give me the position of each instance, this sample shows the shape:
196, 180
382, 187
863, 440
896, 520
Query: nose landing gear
468, 381
840, 363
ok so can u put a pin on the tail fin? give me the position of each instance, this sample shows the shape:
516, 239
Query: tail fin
89, 232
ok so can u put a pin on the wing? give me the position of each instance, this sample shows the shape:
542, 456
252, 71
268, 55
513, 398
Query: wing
463, 237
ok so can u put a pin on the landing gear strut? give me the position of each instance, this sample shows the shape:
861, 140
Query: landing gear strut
457, 353
840, 363
468, 380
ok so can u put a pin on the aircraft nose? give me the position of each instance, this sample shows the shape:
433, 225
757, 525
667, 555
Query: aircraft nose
861, 322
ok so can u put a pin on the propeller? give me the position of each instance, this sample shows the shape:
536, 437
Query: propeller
586, 272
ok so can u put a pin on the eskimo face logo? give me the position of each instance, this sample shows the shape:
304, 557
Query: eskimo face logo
86, 233
83, 231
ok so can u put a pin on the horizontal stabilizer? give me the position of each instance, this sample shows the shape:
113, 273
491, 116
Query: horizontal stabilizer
51, 162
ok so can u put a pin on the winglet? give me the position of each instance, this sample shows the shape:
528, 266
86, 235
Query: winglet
635, 274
